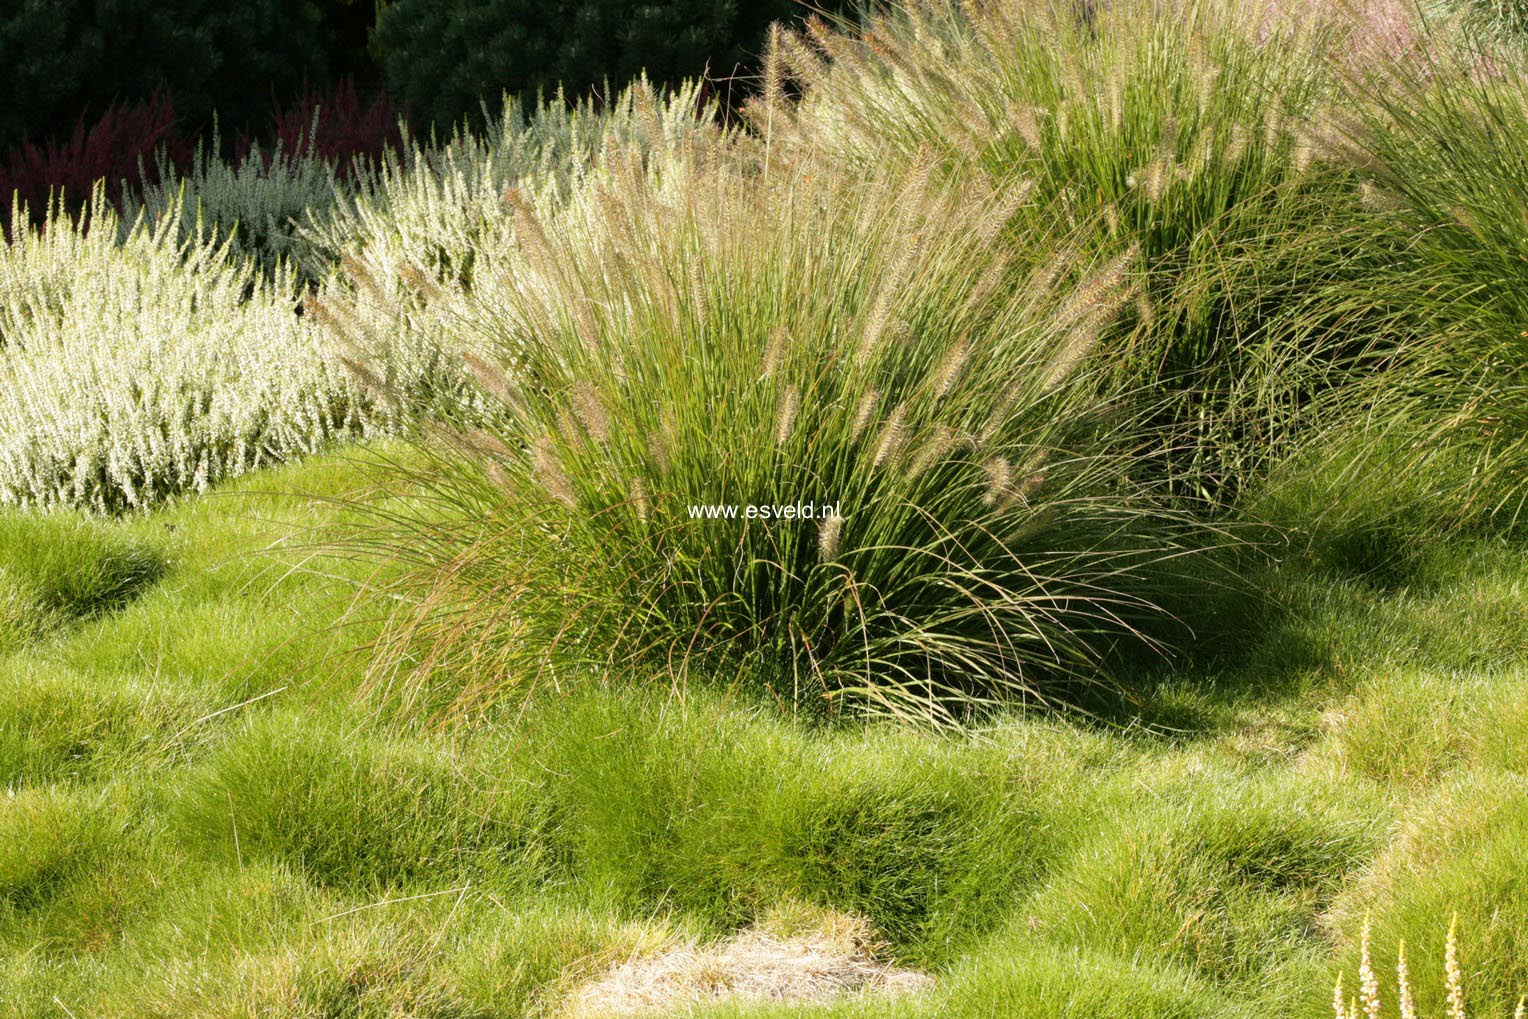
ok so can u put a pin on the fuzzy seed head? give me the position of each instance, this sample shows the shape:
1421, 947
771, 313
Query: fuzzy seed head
938, 446
1027, 125
698, 288
1403, 984
828, 538
1237, 148
892, 436
950, 367
550, 473
591, 411
487, 443
1368, 981
864, 413
1453, 975
774, 351
785, 415
1080, 340
1013, 198
1379, 199
657, 448
489, 376
999, 476
640, 503
420, 282
361, 275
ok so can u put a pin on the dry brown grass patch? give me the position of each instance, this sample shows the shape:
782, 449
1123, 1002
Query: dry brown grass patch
784, 958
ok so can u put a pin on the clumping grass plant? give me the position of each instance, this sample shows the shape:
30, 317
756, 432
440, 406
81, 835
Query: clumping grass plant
1200, 134
1446, 154
723, 335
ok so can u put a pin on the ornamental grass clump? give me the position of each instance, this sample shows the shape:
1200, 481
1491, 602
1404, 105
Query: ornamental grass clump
1446, 155
403, 249
1200, 134
680, 352
134, 368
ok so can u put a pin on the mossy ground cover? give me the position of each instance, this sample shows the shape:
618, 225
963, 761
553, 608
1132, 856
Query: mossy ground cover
202, 817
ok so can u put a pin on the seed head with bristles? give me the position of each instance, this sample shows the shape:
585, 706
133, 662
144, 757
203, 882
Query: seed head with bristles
938, 445
550, 473
591, 411
489, 376
1080, 340
1027, 126
640, 503
774, 69
657, 448
892, 436
864, 413
828, 537
950, 366
361, 275
785, 414
420, 282
698, 288
984, 286
327, 318
1000, 213
774, 350
999, 476
487, 443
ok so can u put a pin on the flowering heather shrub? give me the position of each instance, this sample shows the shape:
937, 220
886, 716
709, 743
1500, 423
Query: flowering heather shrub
135, 368
255, 204
430, 209
117, 147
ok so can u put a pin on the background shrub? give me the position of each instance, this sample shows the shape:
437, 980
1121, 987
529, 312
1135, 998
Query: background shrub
444, 58
117, 148
77, 55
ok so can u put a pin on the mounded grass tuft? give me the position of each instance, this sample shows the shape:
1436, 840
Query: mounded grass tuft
1459, 852
48, 835
352, 811
69, 566
1015, 976
1227, 877
57, 726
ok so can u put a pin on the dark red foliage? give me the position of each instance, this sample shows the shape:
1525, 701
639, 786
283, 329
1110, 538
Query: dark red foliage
346, 130
112, 148
125, 137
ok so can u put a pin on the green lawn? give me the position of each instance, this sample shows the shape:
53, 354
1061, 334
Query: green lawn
202, 817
